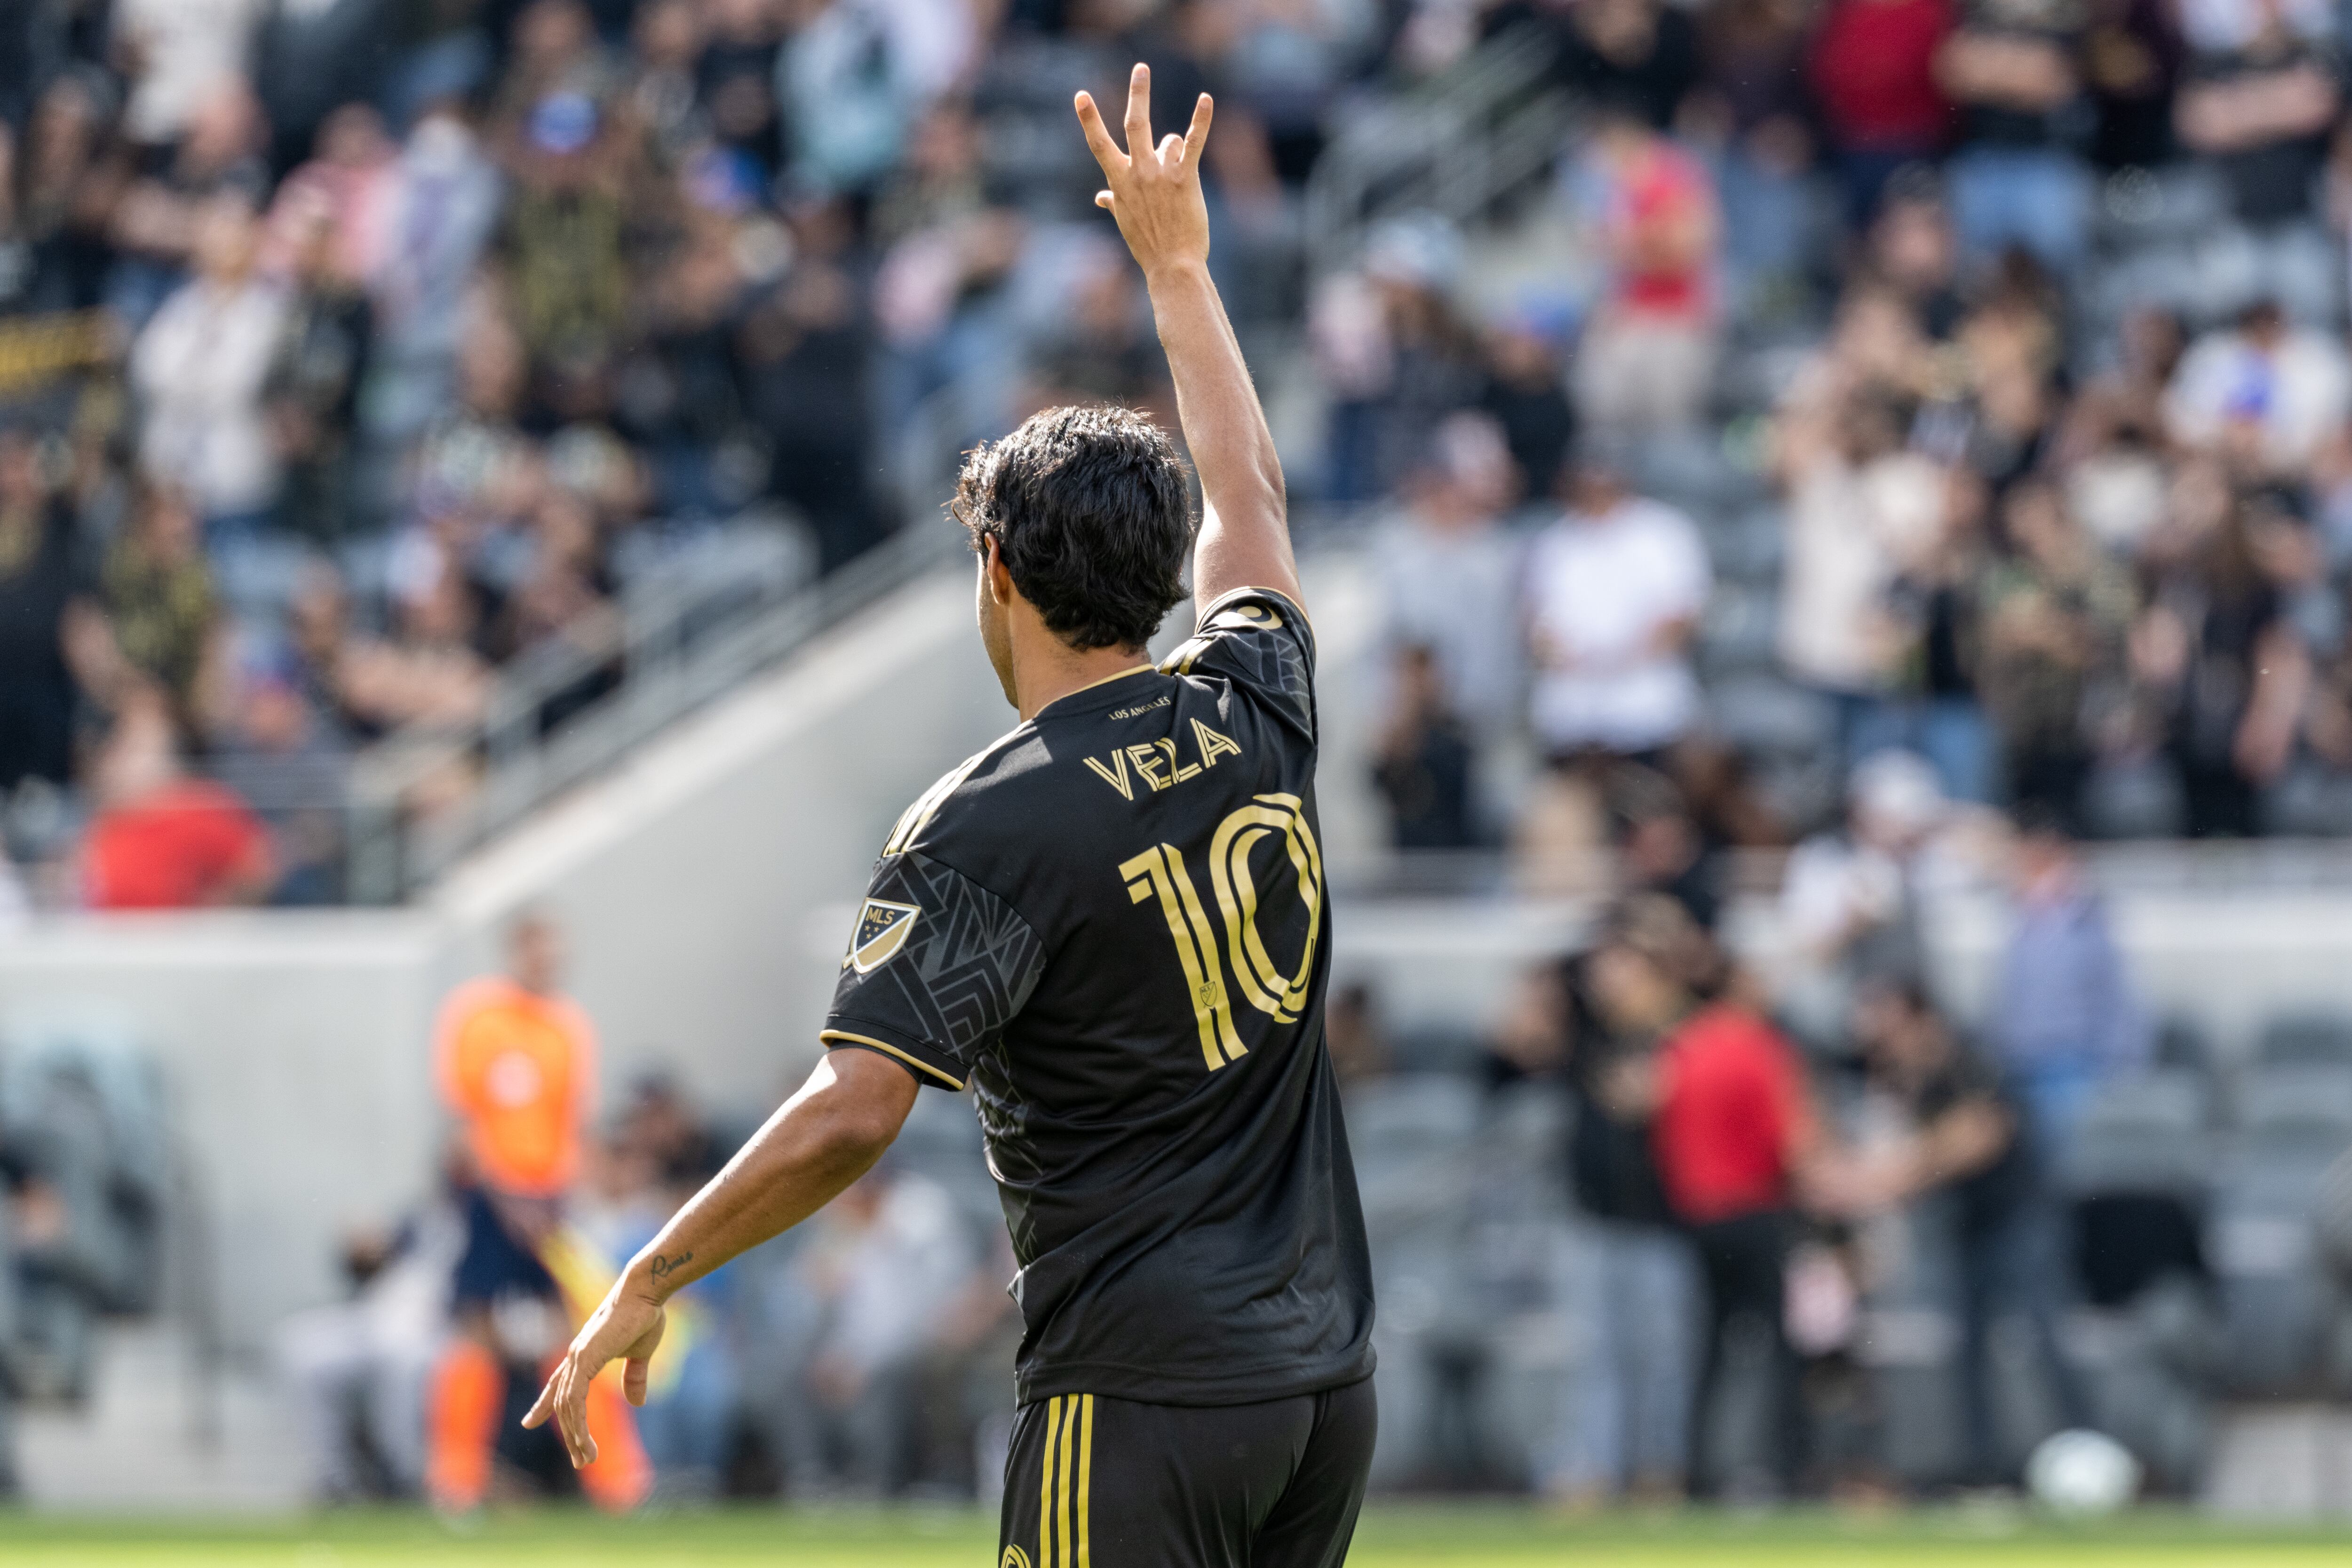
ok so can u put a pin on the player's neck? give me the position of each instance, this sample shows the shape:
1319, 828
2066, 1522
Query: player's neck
1045, 668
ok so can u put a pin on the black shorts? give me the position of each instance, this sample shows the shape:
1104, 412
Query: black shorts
497, 1262
1096, 1482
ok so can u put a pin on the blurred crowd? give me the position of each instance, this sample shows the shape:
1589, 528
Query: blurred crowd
862, 1354
1962, 378
1862, 374
1663, 1229
350, 353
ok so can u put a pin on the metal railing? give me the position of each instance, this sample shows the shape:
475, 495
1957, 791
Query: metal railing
1456, 146
418, 800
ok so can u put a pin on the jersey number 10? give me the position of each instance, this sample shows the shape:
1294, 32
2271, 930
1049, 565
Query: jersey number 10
1161, 870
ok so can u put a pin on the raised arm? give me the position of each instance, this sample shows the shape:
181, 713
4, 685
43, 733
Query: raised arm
823, 1139
1155, 194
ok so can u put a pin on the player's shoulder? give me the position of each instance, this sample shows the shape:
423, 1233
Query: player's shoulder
1245, 611
1258, 637
980, 795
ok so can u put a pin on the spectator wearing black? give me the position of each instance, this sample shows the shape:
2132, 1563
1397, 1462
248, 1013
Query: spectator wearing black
1660, 848
2260, 94
1624, 1421
2222, 672
1425, 762
2054, 611
1526, 394
1640, 55
45, 580
2132, 59
310, 393
2014, 69
1965, 1138
808, 352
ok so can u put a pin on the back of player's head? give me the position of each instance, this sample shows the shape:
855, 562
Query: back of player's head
1092, 516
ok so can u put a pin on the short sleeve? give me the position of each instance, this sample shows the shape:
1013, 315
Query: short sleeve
1688, 578
1261, 641
937, 966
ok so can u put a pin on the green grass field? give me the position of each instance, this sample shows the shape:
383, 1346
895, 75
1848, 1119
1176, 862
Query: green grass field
1498, 1535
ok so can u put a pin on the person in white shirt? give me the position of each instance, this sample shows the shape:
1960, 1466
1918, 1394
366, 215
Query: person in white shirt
2266, 393
1861, 508
1614, 591
199, 369
179, 50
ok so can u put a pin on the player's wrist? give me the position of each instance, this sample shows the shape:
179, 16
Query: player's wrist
654, 1276
1175, 271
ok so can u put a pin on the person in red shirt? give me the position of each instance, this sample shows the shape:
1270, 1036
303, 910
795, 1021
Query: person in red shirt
1734, 1136
162, 840
1873, 72
1647, 357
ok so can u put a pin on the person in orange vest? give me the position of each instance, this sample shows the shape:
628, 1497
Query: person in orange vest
515, 1062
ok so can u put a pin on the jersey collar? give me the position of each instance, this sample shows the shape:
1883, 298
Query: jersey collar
1145, 668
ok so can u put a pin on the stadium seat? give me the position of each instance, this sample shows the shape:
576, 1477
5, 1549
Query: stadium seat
84, 1114
2278, 1300
1738, 633
2305, 1039
2145, 1338
2183, 1045
2149, 1134
1749, 548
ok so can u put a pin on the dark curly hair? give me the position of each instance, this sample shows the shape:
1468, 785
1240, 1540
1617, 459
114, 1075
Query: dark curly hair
1092, 514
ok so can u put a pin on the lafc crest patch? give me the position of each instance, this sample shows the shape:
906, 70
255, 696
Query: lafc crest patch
882, 927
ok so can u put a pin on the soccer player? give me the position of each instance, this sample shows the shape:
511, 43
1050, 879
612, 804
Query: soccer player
1111, 925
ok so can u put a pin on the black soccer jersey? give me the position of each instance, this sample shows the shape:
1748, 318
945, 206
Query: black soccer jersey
1111, 923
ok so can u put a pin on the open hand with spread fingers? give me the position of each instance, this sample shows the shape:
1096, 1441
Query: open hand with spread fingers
1155, 191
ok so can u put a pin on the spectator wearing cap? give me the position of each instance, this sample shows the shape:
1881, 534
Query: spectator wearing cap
1449, 573
1615, 590
1849, 900
563, 233
1393, 351
2065, 1018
